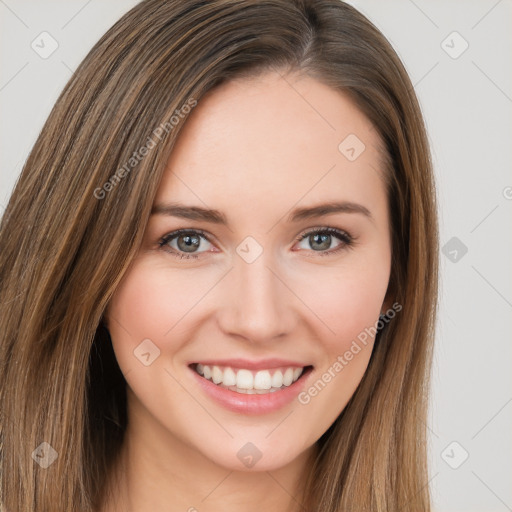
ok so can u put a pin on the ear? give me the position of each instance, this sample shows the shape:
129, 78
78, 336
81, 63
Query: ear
386, 305
105, 318
388, 301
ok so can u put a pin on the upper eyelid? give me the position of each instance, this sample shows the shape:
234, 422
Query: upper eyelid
177, 232
321, 229
207, 235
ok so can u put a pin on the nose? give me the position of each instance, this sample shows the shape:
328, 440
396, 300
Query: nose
256, 304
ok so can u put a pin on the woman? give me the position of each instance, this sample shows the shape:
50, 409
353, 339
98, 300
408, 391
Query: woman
173, 337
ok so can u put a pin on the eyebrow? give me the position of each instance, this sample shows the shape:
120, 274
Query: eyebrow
217, 217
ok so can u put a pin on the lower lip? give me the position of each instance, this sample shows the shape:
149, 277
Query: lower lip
252, 404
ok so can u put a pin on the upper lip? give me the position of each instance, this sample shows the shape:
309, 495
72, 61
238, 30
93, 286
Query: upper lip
263, 364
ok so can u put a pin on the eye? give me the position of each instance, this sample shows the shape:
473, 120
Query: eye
184, 243
320, 239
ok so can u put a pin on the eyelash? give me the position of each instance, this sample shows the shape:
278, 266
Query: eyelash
347, 239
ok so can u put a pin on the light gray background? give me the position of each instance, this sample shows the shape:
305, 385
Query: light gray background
467, 103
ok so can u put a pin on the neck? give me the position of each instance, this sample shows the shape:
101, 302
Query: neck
160, 472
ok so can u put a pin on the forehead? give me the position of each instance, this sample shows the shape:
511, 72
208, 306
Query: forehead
273, 138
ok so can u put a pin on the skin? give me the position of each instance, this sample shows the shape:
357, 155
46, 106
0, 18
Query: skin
254, 149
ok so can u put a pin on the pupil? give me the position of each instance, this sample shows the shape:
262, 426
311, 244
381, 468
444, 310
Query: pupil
324, 239
191, 242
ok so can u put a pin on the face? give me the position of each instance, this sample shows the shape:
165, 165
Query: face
240, 337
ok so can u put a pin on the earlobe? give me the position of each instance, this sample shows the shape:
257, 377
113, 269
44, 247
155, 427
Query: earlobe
105, 317
104, 320
386, 306
389, 300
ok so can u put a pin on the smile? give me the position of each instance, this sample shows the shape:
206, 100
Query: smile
251, 382
247, 386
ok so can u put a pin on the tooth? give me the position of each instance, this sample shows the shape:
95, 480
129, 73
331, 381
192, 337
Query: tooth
216, 375
244, 379
262, 380
277, 379
229, 378
288, 377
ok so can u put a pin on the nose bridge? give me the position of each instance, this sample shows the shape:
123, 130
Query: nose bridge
258, 304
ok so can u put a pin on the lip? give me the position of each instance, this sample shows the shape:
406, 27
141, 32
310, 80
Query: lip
252, 404
264, 364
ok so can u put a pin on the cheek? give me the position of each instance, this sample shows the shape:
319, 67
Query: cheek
144, 307
345, 302
349, 305
140, 306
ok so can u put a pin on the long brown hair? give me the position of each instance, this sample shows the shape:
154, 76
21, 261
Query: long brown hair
78, 213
